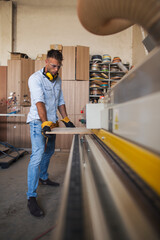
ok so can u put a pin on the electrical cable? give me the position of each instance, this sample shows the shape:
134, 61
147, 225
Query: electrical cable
11, 148
44, 233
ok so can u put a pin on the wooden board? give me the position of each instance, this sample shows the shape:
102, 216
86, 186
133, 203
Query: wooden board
68, 69
77, 130
82, 63
81, 95
27, 69
7, 161
39, 64
68, 88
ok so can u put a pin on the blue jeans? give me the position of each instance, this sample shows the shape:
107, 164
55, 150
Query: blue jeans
40, 157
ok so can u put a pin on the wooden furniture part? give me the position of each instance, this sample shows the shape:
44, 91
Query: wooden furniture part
76, 95
64, 141
81, 95
18, 132
39, 64
72, 131
14, 131
68, 88
26, 71
25, 129
82, 63
68, 69
3, 103
75, 63
18, 73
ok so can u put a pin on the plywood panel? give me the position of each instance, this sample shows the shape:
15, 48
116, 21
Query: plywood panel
27, 69
68, 88
82, 63
81, 95
3, 106
3, 82
64, 141
18, 73
25, 129
14, 134
68, 69
39, 64
14, 79
3, 124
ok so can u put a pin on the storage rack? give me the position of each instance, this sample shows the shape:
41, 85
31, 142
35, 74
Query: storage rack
109, 80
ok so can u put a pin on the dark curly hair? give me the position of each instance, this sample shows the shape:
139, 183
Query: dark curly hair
55, 54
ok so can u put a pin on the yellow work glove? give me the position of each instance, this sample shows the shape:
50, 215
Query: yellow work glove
67, 122
47, 126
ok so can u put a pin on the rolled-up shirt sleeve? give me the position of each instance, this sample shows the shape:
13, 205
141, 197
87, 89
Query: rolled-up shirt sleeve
36, 90
61, 99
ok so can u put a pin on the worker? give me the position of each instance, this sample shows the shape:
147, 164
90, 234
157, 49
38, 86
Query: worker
46, 98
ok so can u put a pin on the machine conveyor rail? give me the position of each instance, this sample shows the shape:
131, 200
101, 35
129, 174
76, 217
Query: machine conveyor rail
100, 201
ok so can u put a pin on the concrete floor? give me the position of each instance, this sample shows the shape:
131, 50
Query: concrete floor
15, 220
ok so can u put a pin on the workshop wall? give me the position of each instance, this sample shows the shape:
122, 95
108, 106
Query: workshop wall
39, 26
5, 31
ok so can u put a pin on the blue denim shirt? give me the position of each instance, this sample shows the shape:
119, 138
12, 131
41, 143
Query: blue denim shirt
43, 90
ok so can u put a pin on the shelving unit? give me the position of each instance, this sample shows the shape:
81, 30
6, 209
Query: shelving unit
111, 80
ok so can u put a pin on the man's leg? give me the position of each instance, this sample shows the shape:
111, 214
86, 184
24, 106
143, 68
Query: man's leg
38, 143
45, 163
46, 157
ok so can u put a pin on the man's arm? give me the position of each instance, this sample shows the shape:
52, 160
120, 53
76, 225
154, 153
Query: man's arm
42, 111
62, 110
65, 120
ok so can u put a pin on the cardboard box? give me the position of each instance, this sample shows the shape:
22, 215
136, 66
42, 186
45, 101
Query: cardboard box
18, 56
56, 47
41, 57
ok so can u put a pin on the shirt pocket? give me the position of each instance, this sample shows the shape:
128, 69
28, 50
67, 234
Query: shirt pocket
48, 92
57, 92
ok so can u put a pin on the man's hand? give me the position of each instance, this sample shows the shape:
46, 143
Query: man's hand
47, 126
67, 122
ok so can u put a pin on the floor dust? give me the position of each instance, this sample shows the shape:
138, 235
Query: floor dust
16, 223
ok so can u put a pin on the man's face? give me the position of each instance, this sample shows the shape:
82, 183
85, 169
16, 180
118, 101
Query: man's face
52, 65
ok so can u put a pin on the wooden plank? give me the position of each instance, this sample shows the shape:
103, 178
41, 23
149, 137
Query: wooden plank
8, 160
25, 129
64, 141
39, 64
14, 79
3, 148
3, 82
27, 69
68, 69
81, 95
3, 103
82, 63
66, 130
68, 88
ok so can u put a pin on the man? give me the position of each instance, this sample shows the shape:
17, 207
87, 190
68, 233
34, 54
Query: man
46, 98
